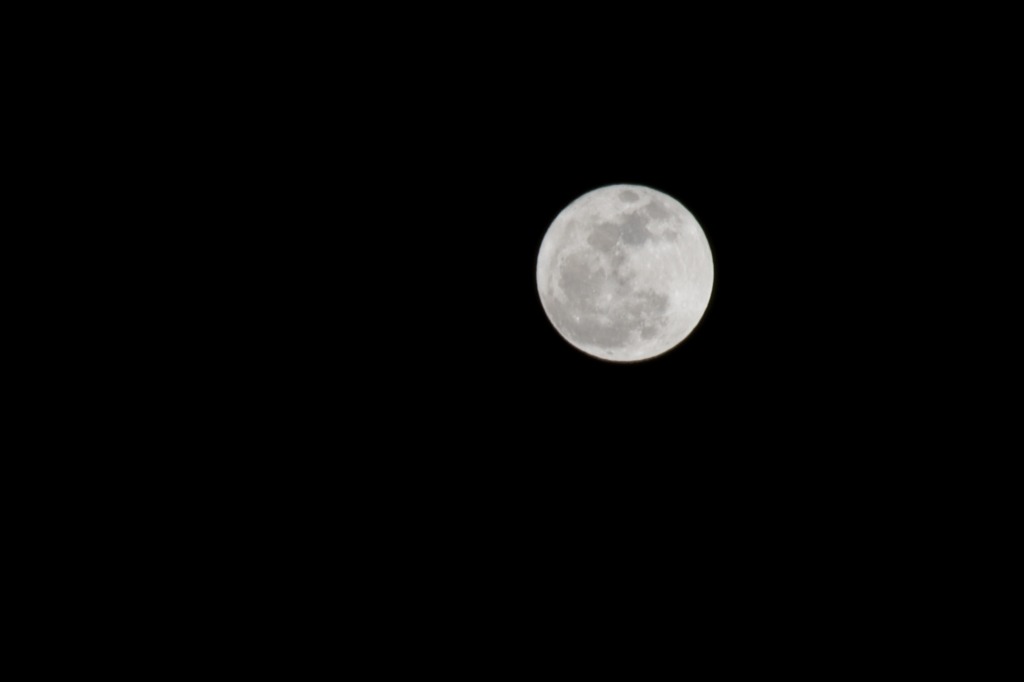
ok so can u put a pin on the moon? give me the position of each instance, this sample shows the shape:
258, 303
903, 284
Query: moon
625, 273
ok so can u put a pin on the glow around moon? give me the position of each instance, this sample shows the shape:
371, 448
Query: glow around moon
625, 273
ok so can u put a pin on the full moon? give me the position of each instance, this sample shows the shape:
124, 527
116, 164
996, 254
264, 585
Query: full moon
625, 273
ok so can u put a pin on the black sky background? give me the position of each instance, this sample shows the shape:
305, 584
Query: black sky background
396, 253
351, 236
337, 335
396, 346
396, 213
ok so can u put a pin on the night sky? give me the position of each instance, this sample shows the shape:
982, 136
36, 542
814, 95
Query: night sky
352, 358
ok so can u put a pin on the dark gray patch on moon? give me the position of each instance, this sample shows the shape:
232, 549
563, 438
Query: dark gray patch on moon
591, 329
629, 196
652, 305
651, 313
657, 211
589, 320
618, 258
580, 280
620, 269
654, 300
634, 229
582, 316
604, 236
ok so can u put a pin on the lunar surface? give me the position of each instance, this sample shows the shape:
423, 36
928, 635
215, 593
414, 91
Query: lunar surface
625, 273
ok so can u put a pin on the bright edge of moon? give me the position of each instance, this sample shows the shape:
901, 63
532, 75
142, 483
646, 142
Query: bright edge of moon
625, 273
